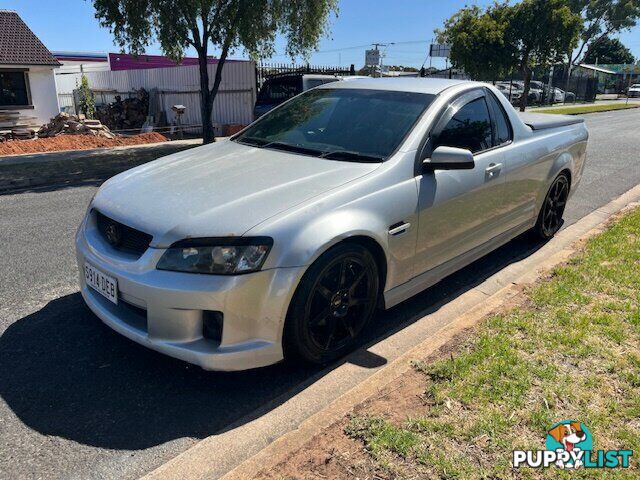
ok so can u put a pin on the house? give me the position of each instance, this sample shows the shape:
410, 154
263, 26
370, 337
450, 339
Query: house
125, 61
614, 78
81, 62
28, 95
85, 62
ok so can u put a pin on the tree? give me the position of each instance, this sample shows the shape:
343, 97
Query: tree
223, 24
608, 50
478, 43
490, 43
86, 102
541, 31
600, 18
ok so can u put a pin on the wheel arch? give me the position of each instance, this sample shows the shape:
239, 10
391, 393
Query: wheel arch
566, 171
364, 240
378, 254
564, 163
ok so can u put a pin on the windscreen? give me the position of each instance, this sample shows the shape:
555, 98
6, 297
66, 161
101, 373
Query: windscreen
340, 123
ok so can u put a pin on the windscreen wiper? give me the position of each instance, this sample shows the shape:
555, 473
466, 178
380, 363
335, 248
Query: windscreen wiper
253, 141
289, 147
351, 155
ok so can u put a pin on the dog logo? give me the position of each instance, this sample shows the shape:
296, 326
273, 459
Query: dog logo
569, 444
570, 436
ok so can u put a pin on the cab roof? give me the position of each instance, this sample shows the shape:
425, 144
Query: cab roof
418, 85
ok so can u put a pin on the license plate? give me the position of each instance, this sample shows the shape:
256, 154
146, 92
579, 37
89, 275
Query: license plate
102, 283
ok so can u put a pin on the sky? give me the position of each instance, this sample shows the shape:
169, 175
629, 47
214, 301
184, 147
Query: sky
69, 25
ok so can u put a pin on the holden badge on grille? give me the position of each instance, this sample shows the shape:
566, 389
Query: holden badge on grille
113, 234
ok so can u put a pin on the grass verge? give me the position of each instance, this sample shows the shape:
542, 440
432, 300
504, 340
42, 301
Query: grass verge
580, 109
570, 351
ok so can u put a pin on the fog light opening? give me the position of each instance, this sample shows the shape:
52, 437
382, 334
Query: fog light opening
212, 325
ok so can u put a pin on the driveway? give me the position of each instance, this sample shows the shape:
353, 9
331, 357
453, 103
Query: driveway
79, 401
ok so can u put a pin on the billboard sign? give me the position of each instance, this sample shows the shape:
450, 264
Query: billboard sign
440, 50
372, 58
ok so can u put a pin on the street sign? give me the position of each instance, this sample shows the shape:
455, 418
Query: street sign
440, 50
372, 58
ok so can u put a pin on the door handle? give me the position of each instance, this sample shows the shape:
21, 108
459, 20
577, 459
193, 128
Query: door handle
399, 228
493, 170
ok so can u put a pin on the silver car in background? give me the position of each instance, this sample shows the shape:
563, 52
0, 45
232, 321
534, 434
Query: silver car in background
283, 241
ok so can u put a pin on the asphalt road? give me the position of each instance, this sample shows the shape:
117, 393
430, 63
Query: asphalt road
79, 401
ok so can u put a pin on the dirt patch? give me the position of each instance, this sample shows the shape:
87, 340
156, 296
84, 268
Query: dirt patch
75, 142
332, 454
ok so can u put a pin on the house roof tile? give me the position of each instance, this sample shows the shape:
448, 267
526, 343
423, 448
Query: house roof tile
19, 45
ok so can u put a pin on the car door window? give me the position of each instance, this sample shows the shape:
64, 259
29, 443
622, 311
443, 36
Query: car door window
313, 82
316, 82
503, 133
278, 90
469, 128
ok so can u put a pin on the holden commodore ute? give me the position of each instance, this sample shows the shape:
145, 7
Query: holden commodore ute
282, 241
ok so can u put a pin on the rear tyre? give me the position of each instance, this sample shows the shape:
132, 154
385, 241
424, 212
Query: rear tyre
335, 300
550, 216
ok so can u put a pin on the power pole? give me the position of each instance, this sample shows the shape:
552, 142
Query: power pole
375, 47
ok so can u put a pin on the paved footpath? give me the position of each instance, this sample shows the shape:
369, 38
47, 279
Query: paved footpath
79, 401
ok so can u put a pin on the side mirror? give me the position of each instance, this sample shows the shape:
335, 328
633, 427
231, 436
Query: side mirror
449, 158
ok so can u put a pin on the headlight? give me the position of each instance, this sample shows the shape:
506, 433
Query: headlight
216, 256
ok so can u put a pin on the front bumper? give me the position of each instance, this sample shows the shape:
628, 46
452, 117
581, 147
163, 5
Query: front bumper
164, 310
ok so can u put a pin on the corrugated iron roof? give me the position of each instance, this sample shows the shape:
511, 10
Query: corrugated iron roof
597, 68
19, 45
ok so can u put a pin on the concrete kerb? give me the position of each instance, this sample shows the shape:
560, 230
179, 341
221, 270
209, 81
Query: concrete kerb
264, 439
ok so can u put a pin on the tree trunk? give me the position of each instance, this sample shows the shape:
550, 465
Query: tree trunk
567, 70
218, 76
526, 75
206, 99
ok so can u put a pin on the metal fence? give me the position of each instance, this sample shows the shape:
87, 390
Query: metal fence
176, 85
549, 88
453, 73
266, 70
68, 102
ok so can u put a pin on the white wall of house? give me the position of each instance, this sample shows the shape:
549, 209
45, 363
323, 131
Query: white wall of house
44, 97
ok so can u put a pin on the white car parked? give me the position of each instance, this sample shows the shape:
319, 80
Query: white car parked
283, 240
634, 90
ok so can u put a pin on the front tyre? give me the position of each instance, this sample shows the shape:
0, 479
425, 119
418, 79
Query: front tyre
335, 300
550, 216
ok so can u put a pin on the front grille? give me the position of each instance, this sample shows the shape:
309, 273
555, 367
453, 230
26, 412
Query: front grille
122, 237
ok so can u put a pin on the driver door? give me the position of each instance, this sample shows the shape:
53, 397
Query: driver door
460, 210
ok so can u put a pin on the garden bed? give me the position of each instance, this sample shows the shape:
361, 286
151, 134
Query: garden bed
75, 142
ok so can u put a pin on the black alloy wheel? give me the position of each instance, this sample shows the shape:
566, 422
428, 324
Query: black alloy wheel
550, 217
333, 303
